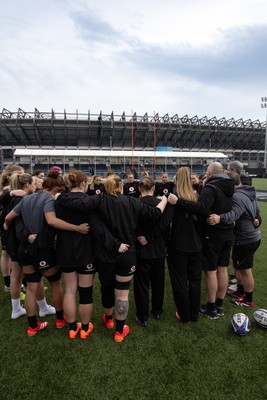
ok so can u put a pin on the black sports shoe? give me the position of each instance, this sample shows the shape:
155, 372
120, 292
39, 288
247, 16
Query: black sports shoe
156, 314
142, 321
211, 314
220, 311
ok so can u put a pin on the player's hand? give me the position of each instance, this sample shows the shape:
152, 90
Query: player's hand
83, 229
142, 240
123, 248
172, 199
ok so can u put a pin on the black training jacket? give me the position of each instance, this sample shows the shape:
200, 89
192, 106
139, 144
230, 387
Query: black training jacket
216, 197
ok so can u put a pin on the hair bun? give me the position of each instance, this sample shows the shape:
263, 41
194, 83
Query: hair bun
53, 174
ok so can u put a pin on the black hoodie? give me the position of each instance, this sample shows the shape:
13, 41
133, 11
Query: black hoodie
245, 209
216, 197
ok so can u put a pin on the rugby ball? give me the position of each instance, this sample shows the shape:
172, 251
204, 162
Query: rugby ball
241, 324
260, 317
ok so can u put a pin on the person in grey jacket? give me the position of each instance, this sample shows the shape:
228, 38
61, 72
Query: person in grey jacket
247, 237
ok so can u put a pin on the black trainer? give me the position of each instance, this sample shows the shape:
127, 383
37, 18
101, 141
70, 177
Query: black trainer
211, 314
142, 321
156, 314
220, 311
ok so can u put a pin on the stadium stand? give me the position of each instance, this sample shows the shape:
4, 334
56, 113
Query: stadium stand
237, 139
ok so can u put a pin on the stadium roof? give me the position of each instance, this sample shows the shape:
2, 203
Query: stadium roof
110, 131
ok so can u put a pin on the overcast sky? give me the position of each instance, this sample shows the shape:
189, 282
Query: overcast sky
185, 57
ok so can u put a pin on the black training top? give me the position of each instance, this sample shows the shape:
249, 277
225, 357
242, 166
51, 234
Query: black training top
216, 197
97, 189
73, 248
162, 189
131, 189
157, 238
120, 214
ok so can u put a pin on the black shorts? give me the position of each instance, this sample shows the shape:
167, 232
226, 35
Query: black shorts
23, 256
216, 253
87, 269
243, 255
45, 259
3, 239
125, 265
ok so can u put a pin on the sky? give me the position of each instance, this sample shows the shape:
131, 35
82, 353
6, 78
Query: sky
186, 57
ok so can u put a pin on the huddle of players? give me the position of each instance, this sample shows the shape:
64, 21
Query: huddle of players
230, 220
217, 207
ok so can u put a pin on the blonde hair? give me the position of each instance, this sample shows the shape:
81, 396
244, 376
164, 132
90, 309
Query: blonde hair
184, 186
18, 181
92, 182
8, 172
113, 185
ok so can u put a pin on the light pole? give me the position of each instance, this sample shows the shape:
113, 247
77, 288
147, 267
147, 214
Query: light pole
264, 105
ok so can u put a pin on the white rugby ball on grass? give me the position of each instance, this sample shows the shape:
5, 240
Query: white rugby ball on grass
260, 317
241, 324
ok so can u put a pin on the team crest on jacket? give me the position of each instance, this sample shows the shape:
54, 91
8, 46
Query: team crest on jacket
97, 191
42, 263
133, 268
131, 189
165, 191
89, 266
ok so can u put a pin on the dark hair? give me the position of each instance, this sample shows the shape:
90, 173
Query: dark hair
236, 177
37, 172
246, 180
53, 179
75, 178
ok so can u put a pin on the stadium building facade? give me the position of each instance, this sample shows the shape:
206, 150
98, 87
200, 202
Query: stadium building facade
122, 142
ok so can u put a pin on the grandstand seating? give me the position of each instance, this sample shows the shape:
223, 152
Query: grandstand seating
238, 139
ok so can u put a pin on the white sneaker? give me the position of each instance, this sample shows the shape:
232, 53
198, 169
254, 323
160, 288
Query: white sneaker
49, 311
232, 287
18, 313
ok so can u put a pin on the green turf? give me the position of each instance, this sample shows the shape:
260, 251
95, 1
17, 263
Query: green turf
202, 361
260, 183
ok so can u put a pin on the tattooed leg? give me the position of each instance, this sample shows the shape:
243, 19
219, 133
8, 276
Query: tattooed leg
121, 309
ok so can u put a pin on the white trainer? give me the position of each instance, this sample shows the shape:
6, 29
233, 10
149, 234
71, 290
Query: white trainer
50, 310
19, 313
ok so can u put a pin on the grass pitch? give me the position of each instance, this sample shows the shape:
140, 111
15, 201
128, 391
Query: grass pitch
202, 361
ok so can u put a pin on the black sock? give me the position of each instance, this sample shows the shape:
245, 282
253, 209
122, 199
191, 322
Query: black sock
85, 327
7, 280
219, 302
60, 315
73, 326
240, 289
211, 306
108, 317
32, 321
119, 326
248, 297
24, 282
